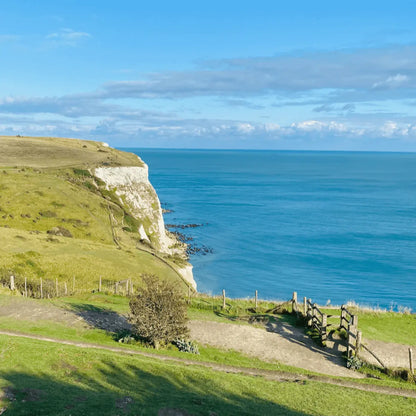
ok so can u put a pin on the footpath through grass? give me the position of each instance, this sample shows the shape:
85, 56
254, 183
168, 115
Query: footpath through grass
112, 306
105, 304
44, 379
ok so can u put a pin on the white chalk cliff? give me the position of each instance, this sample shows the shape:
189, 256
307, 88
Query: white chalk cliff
132, 186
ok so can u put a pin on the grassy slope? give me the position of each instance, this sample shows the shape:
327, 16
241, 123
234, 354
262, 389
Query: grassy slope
49, 152
388, 326
40, 188
384, 326
119, 304
53, 379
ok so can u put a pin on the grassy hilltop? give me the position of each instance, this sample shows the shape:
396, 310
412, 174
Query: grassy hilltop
58, 221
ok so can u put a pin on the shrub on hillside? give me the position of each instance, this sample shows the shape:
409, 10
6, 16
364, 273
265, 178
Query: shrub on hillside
158, 312
186, 346
354, 363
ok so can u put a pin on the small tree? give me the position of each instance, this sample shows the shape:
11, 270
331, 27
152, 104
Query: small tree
158, 313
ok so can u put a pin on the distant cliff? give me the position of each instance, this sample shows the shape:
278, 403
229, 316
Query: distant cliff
133, 188
80, 209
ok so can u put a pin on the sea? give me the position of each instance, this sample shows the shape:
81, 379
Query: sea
332, 226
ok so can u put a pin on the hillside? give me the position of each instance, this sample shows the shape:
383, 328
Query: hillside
59, 220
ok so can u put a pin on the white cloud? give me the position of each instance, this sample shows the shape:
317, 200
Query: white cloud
392, 129
67, 37
394, 81
245, 128
344, 75
272, 127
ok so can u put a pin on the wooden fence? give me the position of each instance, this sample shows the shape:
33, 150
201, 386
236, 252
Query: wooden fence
46, 288
318, 320
349, 323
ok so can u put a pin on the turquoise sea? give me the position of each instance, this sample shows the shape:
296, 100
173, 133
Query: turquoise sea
333, 226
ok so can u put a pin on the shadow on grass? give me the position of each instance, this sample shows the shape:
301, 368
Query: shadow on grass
100, 317
130, 390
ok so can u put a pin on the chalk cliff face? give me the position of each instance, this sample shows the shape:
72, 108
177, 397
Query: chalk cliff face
131, 184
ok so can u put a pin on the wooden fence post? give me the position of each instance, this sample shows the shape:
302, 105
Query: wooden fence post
116, 288
255, 299
295, 302
352, 336
349, 342
305, 310
411, 361
41, 289
313, 313
358, 342
99, 285
57, 287
223, 299
342, 317
324, 328
310, 320
12, 287
66, 288
25, 286
127, 287
131, 287
73, 284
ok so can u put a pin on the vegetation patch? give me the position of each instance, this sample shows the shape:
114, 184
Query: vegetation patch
158, 312
60, 231
101, 382
48, 214
83, 173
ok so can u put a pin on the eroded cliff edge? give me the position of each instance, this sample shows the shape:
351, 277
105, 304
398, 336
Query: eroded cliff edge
132, 186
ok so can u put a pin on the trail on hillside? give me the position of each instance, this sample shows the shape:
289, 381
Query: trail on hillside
277, 342
279, 376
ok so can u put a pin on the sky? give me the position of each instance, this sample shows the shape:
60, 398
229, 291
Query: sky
302, 75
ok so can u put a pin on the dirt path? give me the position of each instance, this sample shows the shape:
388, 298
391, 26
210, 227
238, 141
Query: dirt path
279, 376
278, 342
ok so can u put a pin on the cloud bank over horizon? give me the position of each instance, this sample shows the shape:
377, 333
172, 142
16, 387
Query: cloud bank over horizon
360, 97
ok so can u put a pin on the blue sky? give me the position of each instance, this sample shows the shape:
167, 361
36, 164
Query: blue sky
217, 74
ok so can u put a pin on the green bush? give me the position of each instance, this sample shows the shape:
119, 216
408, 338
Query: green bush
158, 312
354, 363
186, 346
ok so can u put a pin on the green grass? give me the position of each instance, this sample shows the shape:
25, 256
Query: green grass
47, 152
69, 257
118, 304
388, 326
45, 183
384, 326
47, 379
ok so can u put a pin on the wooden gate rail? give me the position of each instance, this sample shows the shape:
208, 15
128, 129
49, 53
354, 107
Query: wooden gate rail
349, 322
316, 319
